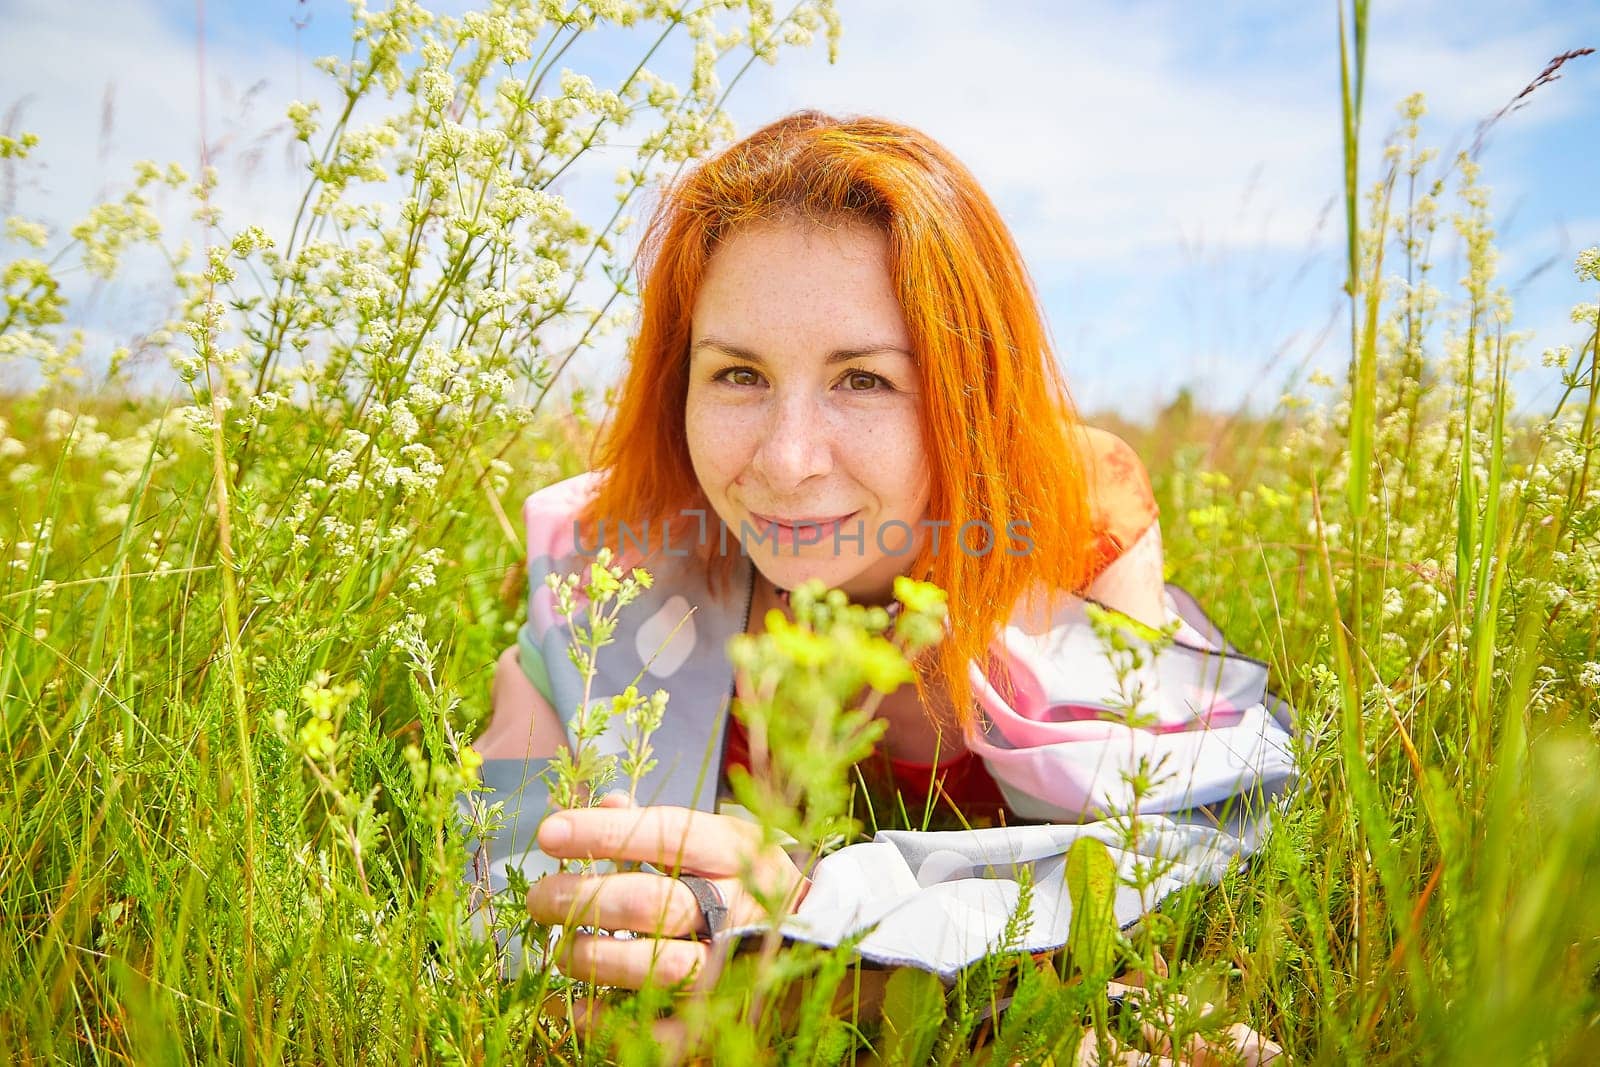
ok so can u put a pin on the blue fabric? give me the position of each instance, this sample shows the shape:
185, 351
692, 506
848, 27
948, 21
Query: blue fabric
520, 786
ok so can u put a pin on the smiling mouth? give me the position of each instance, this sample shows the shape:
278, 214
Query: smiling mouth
798, 533
792, 524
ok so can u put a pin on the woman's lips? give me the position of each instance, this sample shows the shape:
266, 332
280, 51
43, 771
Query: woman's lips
801, 531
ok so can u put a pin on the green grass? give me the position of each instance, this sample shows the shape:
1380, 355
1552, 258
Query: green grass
183, 876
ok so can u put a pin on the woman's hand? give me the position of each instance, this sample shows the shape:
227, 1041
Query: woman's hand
1238, 1044
662, 910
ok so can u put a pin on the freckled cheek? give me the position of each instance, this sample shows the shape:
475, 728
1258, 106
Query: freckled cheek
886, 453
722, 439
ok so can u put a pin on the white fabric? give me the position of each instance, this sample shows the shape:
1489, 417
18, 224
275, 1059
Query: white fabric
941, 901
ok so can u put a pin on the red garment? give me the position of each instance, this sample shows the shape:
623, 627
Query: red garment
962, 782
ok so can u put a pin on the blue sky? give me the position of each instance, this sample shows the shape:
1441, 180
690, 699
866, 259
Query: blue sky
1170, 168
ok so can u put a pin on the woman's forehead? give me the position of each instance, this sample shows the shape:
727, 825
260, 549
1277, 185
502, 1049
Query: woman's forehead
770, 282
719, 346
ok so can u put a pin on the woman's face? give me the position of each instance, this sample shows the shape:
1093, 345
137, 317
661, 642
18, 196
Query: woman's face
803, 405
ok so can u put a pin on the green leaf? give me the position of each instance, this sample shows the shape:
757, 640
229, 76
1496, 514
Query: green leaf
1092, 887
913, 1011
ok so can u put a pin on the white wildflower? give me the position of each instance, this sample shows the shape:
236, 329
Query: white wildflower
112, 514
422, 572
1589, 674
403, 423
496, 384
1588, 265
499, 475
367, 300
250, 239
57, 424
437, 88
300, 115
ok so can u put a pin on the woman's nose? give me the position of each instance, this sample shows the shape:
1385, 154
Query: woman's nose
796, 444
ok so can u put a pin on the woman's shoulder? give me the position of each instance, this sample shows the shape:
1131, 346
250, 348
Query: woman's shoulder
565, 496
548, 513
1122, 503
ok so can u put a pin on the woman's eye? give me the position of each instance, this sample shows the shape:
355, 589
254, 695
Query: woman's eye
860, 381
740, 376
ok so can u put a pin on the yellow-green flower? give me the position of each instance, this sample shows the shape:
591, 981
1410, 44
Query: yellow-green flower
320, 701
316, 738
884, 668
922, 597
470, 762
803, 647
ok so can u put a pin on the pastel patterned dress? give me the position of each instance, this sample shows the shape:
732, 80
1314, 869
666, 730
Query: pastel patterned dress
1052, 762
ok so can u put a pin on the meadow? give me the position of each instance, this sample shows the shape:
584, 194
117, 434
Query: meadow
249, 616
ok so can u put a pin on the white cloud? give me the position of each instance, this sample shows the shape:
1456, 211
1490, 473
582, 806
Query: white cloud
131, 63
1176, 161
1097, 147
1167, 167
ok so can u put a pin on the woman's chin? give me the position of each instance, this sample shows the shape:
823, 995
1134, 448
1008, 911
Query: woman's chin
789, 573
862, 587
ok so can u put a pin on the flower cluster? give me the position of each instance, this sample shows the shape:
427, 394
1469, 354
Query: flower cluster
815, 683
317, 735
591, 604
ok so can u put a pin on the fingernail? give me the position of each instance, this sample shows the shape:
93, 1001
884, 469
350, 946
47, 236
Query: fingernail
554, 832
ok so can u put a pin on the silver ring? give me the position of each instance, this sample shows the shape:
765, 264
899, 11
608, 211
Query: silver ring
713, 909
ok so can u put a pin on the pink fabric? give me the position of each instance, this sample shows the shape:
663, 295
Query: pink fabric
1058, 751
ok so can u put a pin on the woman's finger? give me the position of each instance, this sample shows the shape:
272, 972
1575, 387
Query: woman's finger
1088, 1054
631, 962
669, 837
1158, 1018
633, 900
1138, 978
1252, 1047
1236, 1044
1167, 1002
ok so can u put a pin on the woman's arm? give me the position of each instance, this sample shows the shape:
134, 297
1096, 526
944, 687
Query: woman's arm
1133, 584
522, 725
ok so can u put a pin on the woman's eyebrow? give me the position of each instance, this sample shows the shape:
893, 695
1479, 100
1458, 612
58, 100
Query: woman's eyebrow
838, 355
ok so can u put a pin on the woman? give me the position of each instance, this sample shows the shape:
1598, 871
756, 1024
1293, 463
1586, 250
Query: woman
840, 353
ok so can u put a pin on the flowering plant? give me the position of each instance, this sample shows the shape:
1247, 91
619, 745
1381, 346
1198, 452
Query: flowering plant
284, 577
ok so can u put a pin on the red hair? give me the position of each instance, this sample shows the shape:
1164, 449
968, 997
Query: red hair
1000, 433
